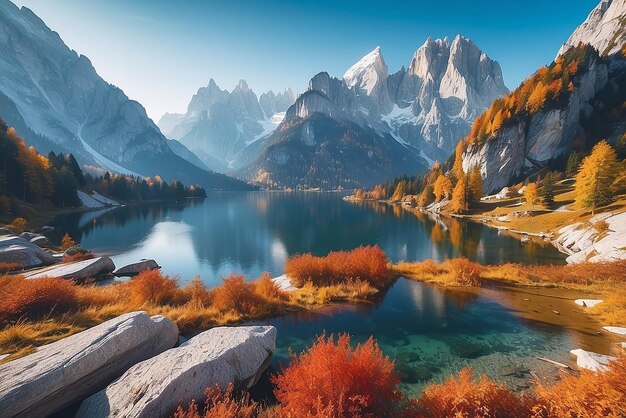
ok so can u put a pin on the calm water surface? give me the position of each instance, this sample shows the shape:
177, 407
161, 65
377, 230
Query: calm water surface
430, 331
250, 233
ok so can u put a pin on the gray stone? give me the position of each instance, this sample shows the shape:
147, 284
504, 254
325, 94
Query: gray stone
134, 269
4, 230
17, 250
155, 387
41, 241
80, 270
28, 236
62, 373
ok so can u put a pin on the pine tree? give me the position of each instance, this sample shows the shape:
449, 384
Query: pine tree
596, 176
573, 161
546, 191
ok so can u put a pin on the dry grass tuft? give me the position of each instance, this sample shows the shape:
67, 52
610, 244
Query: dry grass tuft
34, 298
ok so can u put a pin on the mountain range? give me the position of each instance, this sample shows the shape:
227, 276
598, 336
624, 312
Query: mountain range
218, 124
57, 101
349, 132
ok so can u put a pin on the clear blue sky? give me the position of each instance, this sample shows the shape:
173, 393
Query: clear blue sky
159, 52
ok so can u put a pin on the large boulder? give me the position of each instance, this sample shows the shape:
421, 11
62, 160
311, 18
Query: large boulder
17, 250
80, 270
28, 236
155, 387
41, 241
62, 373
134, 269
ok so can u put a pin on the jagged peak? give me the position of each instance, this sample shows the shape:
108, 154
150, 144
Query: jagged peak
242, 85
373, 59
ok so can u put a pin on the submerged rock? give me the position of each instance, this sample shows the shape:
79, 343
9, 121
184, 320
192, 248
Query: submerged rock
17, 250
155, 387
80, 270
134, 269
64, 372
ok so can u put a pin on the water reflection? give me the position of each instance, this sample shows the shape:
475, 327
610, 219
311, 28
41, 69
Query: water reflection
250, 233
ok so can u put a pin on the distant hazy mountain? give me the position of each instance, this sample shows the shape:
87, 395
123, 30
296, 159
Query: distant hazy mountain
370, 125
219, 124
49, 91
568, 106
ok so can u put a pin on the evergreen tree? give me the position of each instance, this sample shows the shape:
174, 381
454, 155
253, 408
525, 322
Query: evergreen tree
573, 161
546, 191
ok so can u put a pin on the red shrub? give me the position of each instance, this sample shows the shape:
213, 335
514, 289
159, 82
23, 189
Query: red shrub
363, 263
463, 397
332, 380
235, 294
67, 242
152, 287
221, 404
265, 288
8, 267
23, 297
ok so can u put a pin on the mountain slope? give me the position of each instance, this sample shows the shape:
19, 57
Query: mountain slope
604, 28
218, 124
390, 124
59, 95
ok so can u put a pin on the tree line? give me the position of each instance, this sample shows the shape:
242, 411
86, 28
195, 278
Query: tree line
27, 176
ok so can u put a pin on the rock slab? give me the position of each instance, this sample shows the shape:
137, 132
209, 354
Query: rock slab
156, 387
134, 269
64, 372
591, 361
18, 250
79, 270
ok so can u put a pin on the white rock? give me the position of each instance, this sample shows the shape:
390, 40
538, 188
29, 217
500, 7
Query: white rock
155, 387
284, 283
591, 361
64, 372
79, 270
588, 303
616, 330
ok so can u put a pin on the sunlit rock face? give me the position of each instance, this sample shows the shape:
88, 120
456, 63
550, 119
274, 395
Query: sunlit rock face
370, 126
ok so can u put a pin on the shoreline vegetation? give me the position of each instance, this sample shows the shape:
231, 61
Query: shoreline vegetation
41, 311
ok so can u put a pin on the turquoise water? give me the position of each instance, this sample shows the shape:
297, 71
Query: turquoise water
431, 332
250, 233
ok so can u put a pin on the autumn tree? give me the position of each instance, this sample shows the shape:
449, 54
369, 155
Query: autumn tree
596, 176
457, 169
399, 192
442, 188
426, 197
475, 184
531, 194
460, 196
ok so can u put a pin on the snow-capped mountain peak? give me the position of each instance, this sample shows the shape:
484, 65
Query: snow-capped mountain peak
368, 77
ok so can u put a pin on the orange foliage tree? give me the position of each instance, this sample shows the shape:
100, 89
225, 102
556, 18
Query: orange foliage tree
332, 380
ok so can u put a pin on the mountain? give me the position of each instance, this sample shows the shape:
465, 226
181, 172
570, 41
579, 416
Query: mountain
604, 28
567, 106
370, 125
447, 85
51, 92
218, 124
